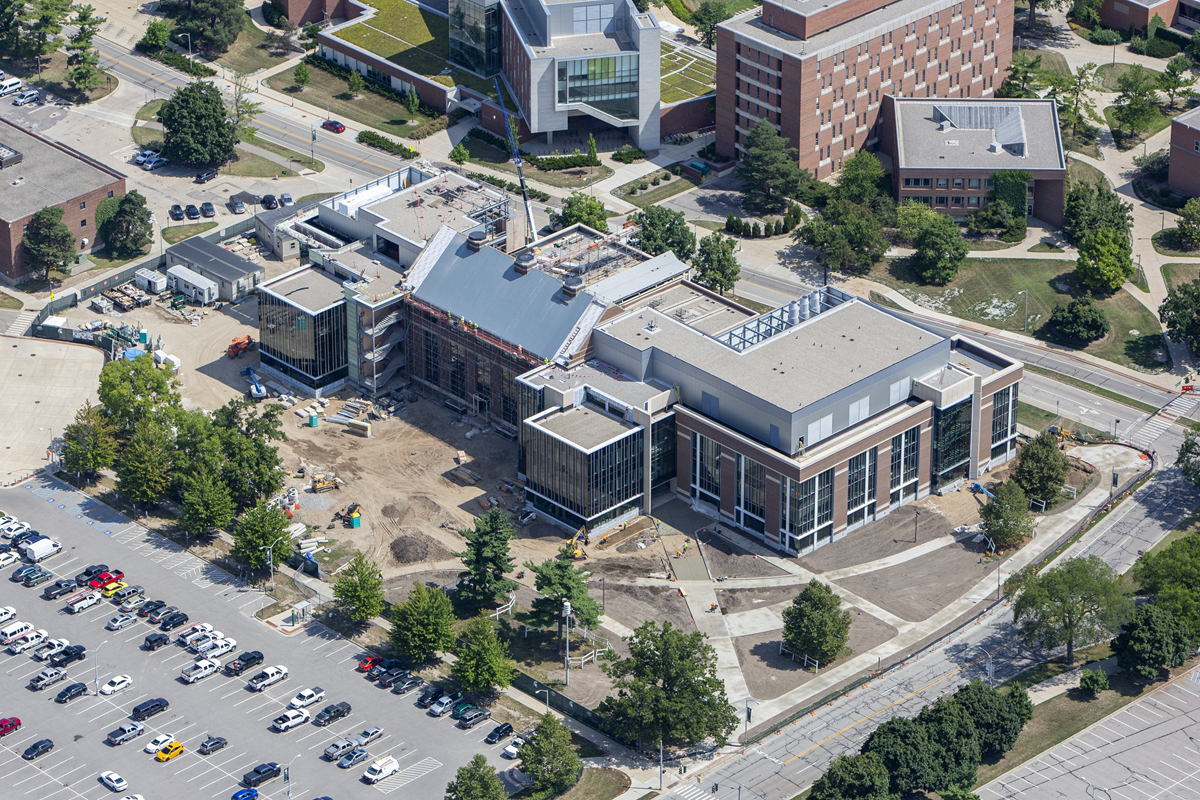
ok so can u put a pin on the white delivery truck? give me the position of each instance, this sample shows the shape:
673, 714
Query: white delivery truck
41, 549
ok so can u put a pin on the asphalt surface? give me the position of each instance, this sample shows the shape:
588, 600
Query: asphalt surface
429, 749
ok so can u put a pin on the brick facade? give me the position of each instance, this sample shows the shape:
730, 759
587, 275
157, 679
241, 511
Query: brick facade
687, 116
834, 93
1184, 174
302, 12
1121, 15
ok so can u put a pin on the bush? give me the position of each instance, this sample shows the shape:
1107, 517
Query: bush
1080, 319
1093, 680
1105, 36
627, 154
1160, 48
180, 62
439, 123
676, 169
274, 15
1137, 45
1154, 166
372, 139
655, 181
666, 177
515, 188
643, 186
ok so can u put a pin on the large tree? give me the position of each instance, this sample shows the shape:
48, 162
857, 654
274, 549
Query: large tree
998, 717
716, 266
705, 19
49, 244
814, 624
1092, 206
251, 462
1079, 599
1006, 517
1105, 260
955, 738
1073, 93
144, 471
1025, 78
860, 777
483, 662
559, 580
860, 180
769, 168
423, 625
89, 443
486, 559
580, 207
1153, 640
1041, 468
359, 589
260, 540
663, 229
196, 127
549, 758
42, 21
1081, 320
1180, 314
667, 689
940, 249
1176, 80
206, 504
910, 758
134, 390
477, 780
129, 230
848, 237
1189, 223
215, 24
83, 59
1137, 105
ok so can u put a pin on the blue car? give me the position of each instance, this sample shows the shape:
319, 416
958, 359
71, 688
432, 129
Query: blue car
245, 794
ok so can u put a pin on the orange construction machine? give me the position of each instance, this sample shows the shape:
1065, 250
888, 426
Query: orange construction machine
238, 347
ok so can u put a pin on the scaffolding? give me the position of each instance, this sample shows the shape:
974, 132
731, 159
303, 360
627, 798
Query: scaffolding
584, 254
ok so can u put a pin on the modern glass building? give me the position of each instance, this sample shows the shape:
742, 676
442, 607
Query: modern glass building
302, 328
608, 84
475, 36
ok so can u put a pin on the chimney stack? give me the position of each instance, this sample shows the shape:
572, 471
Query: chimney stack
524, 263
571, 286
475, 241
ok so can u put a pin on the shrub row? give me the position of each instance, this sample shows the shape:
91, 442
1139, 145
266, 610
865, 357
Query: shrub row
334, 68
177, 60
372, 139
1105, 36
548, 163
515, 188
627, 154
794, 216
439, 123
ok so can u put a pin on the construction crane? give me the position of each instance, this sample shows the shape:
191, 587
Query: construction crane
256, 389
516, 157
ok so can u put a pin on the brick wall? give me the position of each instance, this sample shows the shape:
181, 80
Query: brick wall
516, 63
302, 12
1122, 14
1184, 151
81, 222
687, 116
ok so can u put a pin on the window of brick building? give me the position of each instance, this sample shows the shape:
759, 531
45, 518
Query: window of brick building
972, 183
83, 223
957, 201
942, 183
941, 201
958, 183
973, 201
82, 205
110, 194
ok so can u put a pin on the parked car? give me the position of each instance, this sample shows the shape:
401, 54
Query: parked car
245, 794
28, 641
367, 662
176, 212
261, 774
172, 750
116, 684
141, 157
306, 697
501, 731
38, 577
158, 742
149, 607
105, 578
377, 671
75, 652
71, 692
128, 731
200, 670
354, 758
514, 747
211, 745
48, 677
95, 569
59, 588
247, 660
156, 640
333, 125
291, 719
20, 572
133, 604
113, 588
206, 176
460, 710
39, 748
332, 713
207, 210
338, 749
173, 621
269, 201
9, 725
50, 649
7, 558
7, 613
238, 206
381, 768
120, 621
161, 613
268, 677
148, 708
114, 781
474, 717
154, 163
430, 696
285, 199
408, 684
390, 678
24, 98
192, 212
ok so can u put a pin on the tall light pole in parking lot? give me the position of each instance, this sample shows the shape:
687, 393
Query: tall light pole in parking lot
271, 559
287, 776
96, 679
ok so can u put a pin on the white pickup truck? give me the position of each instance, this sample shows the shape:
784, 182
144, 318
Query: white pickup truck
31, 639
51, 648
200, 638
307, 697
268, 677
200, 670
83, 600
290, 719
218, 647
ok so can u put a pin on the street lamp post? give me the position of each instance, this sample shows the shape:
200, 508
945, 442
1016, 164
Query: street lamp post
567, 657
189, 38
990, 668
287, 776
746, 726
916, 517
271, 559
547, 693
96, 678
1025, 324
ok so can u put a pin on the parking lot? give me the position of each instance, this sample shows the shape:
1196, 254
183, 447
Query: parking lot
429, 750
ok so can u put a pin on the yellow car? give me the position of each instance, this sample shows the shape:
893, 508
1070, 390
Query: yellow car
113, 588
169, 752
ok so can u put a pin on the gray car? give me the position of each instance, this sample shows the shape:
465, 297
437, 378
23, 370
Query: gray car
162, 613
355, 756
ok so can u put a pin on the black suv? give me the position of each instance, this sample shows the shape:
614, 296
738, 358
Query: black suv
146, 710
269, 201
206, 176
331, 713
251, 658
89, 573
176, 212
173, 621
430, 696
156, 640
501, 731
192, 212
71, 692
27, 536
59, 588
212, 744
149, 608
261, 774
207, 210
75, 652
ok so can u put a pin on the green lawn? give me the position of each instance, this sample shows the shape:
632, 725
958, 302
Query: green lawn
1167, 242
303, 159
412, 24
249, 51
979, 245
147, 137
1079, 143
1176, 275
1043, 247
986, 290
103, 260
329, 91
10, 303
1107, 75
1160, 121
149, 112
685, 75
708, 224
319, 196
1080, 171
52, 77
1052, 62
598, 783
177, 233
485, 155
252, 165
656, 194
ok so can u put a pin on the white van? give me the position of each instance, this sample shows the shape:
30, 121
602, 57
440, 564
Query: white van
14, 629
9, 85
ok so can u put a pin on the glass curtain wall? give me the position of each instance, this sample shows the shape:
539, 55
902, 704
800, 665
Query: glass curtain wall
906, 455
860, 490
662, 451
807, 508
706, 469
951, 443
608, 84
750, 507
1004, 423
309, 348
475, 42
587, 486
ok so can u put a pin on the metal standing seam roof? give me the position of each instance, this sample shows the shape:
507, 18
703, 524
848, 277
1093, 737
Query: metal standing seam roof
212, 259
484, 289
636, 279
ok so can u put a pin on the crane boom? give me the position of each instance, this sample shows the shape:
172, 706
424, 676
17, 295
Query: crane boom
516, 157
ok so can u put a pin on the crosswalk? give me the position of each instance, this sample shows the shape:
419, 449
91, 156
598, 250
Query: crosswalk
19, 324
688, 793
1154, 427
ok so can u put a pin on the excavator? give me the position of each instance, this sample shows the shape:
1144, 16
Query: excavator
576, 550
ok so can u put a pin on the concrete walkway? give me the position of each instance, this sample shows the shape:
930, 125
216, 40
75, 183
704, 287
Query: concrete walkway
1061, 684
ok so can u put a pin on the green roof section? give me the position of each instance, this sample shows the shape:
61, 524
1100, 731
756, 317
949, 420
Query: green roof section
686, 73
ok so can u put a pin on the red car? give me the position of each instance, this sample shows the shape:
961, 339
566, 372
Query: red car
368, 662
9, 725
333, 125
105, 578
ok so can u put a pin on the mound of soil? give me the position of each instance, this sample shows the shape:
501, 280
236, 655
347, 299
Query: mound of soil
414, 547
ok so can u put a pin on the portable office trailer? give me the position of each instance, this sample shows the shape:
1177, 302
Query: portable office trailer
196, 288
150, 281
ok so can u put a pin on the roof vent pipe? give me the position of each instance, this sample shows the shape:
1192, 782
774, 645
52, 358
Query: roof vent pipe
793, 312
524, 263
804, 313
475, 241
814, 302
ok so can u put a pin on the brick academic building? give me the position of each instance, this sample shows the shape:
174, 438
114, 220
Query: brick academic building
834, 62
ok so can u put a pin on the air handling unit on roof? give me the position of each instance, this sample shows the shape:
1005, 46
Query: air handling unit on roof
9, 157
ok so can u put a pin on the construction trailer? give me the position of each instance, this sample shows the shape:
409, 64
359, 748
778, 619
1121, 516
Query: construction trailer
150, 281
196, 288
